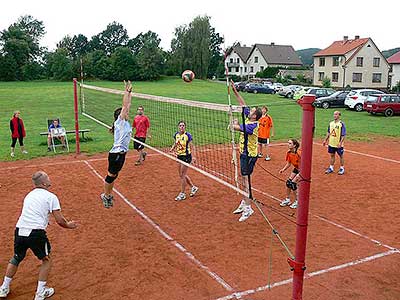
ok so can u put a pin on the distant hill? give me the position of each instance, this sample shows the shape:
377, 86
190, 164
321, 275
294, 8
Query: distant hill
390, 52
306, 55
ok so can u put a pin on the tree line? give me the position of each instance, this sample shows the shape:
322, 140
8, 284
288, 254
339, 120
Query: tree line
109, 55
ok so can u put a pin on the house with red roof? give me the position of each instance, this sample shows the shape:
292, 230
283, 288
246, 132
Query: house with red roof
394, 75
352, 62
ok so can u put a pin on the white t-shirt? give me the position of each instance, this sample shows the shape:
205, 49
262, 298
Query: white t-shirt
122, 135
38, 204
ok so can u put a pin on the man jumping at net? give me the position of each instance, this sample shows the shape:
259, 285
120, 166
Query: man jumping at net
122, 131
248, 157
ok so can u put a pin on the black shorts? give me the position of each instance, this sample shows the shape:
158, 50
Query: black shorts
137, 145
115, 162
185, 158
14, 141
37, 241
247, 164
263, 141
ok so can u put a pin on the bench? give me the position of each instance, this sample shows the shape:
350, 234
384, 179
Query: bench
81, 131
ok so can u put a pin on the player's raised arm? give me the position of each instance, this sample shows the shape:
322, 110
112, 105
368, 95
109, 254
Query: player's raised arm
126, 102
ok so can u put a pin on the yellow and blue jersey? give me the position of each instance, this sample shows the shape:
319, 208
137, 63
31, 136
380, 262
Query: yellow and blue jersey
336, 130
252, 138
182, 143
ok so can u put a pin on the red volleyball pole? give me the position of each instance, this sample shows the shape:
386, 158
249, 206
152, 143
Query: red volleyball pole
298, 263
76, 117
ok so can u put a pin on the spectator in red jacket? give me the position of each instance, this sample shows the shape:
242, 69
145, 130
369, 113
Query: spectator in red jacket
17, 132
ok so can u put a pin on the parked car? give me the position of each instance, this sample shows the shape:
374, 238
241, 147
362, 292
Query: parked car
258, 88
298, 94
334, 100
277, 86
388, 104
288, 91
355, 99
240, 85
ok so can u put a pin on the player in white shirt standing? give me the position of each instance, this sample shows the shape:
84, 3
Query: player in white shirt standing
30, 233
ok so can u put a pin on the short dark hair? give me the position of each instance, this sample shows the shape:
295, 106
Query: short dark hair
258, 113
117, 112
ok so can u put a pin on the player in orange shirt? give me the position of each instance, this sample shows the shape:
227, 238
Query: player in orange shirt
293, 156
265, 131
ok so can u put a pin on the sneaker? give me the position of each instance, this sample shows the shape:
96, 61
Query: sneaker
107, 201
45, 293
294, 204
329, 170
180, 197
138, 163
247, 212
267, 158
4, 291
341, 171
193, 191
12, 154
260, 155
49, 149
240, 208
285, 202
24, 152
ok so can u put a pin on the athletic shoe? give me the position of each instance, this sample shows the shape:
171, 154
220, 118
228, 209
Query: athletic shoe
48, 149
180, 197
247, 212
193, 191
4, 291
267, 158
260, 155
341, 171
25, 152
240, 208
138, 163
144, 155
329, 170
285, 202
294, 204
12, 154
107, 201
45, 293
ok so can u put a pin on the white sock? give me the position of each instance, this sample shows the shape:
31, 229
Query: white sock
40, 286
6, 282
331, 167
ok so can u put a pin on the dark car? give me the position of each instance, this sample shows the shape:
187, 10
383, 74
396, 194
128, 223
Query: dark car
240, 85
334, 100
258, 88
388, 104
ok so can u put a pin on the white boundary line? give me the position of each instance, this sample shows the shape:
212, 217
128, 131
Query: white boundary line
365, 154
179, 246
239, 295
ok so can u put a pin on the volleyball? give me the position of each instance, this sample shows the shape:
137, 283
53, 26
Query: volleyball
188, 76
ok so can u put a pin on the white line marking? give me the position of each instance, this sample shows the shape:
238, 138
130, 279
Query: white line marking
365, 154
217, 278
239, 295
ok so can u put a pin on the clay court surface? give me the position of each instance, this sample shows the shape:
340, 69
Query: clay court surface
149, 246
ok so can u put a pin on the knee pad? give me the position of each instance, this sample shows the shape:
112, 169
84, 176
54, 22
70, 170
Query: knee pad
289, 183
294, 186
16, 260
110, 179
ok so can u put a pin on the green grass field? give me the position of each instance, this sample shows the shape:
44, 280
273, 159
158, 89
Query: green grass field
40, 100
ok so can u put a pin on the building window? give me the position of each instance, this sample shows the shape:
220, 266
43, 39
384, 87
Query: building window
230, 70
237, 69
238, 60
360, 61
357, 77
245, 69
376, 77
255, 59
322, 61
377, 61
335, 61
321, 76
231, 60
335, 76
251, 69
261, 68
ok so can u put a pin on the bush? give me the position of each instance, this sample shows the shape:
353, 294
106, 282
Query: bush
326, 82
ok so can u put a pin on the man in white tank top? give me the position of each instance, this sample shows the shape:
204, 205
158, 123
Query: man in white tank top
30, 233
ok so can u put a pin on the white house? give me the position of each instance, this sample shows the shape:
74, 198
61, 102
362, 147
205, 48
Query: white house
236, 60
357, 63
394, 75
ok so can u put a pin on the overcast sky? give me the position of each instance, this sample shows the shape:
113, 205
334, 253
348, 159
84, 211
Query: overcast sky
302, 24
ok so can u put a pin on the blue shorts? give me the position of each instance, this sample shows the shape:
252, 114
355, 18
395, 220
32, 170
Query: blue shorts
247, 164
339, 151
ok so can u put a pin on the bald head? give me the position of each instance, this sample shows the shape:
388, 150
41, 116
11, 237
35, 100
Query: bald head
41, 179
